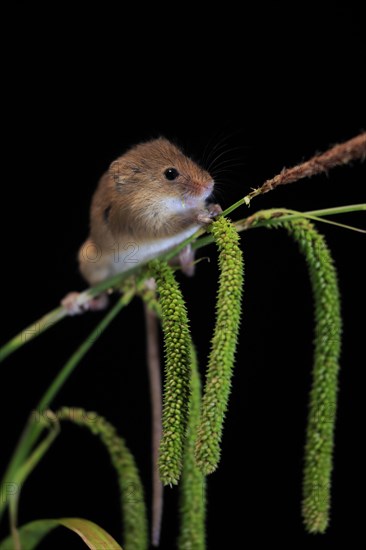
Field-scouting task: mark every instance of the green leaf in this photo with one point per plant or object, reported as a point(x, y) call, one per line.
point(26, 469)
point(32, 533)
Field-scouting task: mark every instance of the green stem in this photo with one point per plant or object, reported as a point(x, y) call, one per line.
point(35, 329)
point(236, 205)
point(56, 315)
point(53, 317)
point(33, 430)
point(337, 210)
point(24, 471)
point(287, 215)
point(82, 350)
point(273, 216)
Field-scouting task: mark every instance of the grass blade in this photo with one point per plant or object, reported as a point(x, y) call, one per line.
point(32, 534)
point(131, 489)
point(32, 430)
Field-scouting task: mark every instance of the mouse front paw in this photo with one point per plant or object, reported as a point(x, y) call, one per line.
point(206, 216)
point(214, 209)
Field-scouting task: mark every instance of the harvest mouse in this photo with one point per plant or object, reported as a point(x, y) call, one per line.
point(151, 199)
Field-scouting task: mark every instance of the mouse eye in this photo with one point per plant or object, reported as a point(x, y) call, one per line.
point(171, 174)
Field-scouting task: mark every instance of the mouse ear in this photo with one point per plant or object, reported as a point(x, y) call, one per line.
point(115, 171)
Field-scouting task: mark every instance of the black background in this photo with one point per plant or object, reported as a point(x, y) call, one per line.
point(272, 86)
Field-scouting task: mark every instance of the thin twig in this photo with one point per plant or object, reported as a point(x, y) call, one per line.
point(336, 156)
point(265, 218)
point(153, 364)
point(344, 153)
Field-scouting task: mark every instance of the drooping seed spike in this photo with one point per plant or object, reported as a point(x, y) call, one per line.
point(223, 345)
point(177, 343)
point(134, 516)
point(318, 463)
point(193, 483)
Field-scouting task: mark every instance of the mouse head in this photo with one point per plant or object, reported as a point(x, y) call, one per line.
point(161, 168)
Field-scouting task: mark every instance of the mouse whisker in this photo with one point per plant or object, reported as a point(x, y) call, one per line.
point(221, 138)
point(227, 155)
point(229, 162)
point(222, 141)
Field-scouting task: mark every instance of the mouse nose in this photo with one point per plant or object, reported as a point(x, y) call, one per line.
point(210, 186)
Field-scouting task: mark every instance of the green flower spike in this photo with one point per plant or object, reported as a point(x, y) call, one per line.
point(132, 494)
point(193, 483)
point(223, 345)
point(323, 395)
point(177, 372)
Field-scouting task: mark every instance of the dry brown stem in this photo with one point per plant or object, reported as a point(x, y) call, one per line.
point(354, 149)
